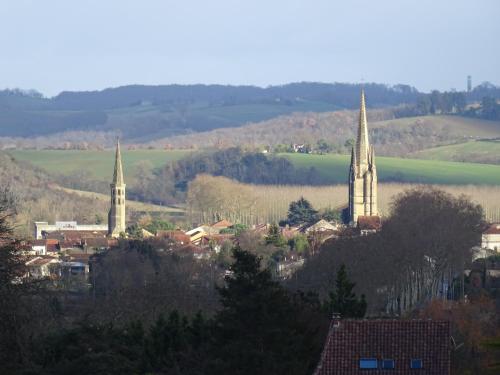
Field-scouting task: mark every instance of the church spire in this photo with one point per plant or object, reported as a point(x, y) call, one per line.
point(362, 144)
point(363, 173)
point(118, 173)
point(117, 215)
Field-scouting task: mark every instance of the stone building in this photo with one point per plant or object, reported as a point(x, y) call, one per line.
point(116, 216)
point(362, 173)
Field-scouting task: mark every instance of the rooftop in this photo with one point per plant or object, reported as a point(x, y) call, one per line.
point(349, 341)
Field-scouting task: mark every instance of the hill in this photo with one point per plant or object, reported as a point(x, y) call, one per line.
point(38, 198)
point(144, 113)
point(391, 136)
point(96, 165)
point(483, 151)
point(335, 169)
point(332, 167)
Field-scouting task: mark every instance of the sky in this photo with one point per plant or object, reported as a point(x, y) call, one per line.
point(61, 45)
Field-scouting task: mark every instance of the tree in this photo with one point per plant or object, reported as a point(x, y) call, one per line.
point(274, 236)
point(15, 313)
point(422, 249)
point(299, 243)
point(343, 300)
point(329, 214)
point(259, 328)
point(301, 212)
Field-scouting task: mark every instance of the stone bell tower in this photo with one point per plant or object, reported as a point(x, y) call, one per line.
point(362, 173)
point(116, 216)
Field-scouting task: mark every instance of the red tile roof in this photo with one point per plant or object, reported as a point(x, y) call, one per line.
point(176, 235)
point(369, 222)
point(222, 224)
point(75, 234)
point(493, 229)
point(399, 340)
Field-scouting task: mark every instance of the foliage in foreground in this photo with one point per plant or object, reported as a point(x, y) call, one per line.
point(260, 327)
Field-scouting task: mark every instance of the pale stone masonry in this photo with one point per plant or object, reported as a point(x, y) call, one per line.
point(363, 173)
point(116, 216)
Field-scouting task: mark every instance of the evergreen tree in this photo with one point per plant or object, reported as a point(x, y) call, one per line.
point(258, 329)
point(343, 301)
point(274, 237)
point(301, 212)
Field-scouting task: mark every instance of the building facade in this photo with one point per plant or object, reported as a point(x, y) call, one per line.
point(43, 228)
point(362, 173)
point(116, 216)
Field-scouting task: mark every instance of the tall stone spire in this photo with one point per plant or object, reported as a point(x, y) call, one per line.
point(363, 173)
point(118, 173)
point(116, 216)
point(362, 144)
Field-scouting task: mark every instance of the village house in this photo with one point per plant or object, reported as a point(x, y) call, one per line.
point(41, 267)
point(321, 226)
point(177, 236)
point(491, 238)
point(369, 225)
point(42, 228)
point(399, 347)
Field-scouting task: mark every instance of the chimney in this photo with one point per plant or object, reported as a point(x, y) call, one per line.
point(336, 320)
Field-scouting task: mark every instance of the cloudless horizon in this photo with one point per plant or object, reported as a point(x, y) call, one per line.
point(61, 45)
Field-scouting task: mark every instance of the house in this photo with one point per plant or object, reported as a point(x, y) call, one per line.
point(39, 247)
point(216, 241)
point(41, 267)
point(491, 238)
point(369, 224)
point(174, 235)
point(43, 228)
point(399, 347)
point(289, 232)
point(321, 226)
point(196, 234)
point(300, 148)
point(222, 224)
point(95, 243)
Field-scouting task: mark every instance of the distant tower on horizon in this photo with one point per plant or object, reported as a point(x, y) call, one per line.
point(116, 216)
point(362, 173)
point(469, 83)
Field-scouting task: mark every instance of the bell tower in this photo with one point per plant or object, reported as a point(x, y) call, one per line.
point(116, 216)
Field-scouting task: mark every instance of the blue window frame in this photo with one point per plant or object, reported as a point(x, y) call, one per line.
point(368, 363)
point(388, 363)
point(416, 363)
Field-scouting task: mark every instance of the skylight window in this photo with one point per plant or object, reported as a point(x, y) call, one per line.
point(416, 364)
point(368, 363)
point(388, 363)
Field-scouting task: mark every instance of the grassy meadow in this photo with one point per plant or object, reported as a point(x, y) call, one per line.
point(332, 166)
point(335, 168)
point(484, 151)
point(98, 163)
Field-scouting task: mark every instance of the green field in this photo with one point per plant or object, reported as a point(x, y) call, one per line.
point(98, 163)
point(473, 151)
point(336, 168)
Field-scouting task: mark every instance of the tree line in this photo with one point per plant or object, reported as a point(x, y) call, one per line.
point(170, 184)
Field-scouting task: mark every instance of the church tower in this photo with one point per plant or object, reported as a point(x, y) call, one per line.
point(116, 216)
point(363, 173)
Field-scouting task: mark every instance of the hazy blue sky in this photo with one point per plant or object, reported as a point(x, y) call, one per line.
point(55, 45)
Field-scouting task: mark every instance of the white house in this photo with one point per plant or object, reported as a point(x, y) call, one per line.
point(491, 238)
